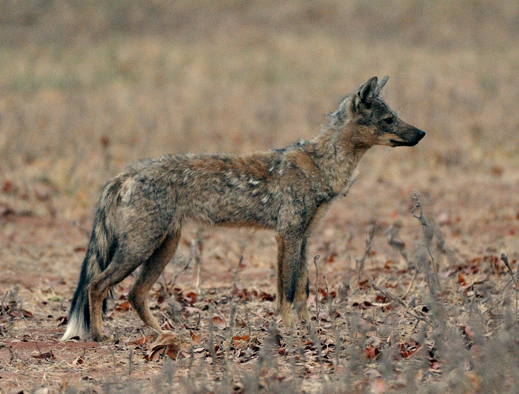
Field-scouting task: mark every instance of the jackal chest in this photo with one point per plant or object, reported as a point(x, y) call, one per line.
point(349, 183)
point(316, 220)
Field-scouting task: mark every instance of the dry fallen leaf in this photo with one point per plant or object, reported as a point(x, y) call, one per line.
point(125, 306)
point(240, 342)
point(218, 322)
point(240, 323)
point(372, 352)
point(192, 309)
point(45, 356)
point(267, 296)
point(168, 343)
point(195, 338)
point(141, 341)
point(408, 349)
point(190, 298)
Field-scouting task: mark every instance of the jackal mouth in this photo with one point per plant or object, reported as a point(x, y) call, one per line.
point(418, 136)
point(404, 143)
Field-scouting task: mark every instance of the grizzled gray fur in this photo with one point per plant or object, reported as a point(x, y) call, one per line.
point(142, 210)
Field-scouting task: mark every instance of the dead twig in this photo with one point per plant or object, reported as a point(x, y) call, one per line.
point(227, 349)
point(328, 298)
point(198, 321)
point(234, 282)
point(255, 314)
point(212, 351)
point(411, 284)
point(130, 366)
point(169, 321)
point(4, 311)
point(393, 297)
point(367, 251)
point(428, 232)
point(394, 240)
point(220, 312)
point(500, 292)
point(248, 322)
point(192, 251)
point(333, 320)
point(504, 259)
point(32, 337)
point(10, 351)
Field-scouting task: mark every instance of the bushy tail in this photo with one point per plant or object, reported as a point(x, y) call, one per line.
point(101, 248)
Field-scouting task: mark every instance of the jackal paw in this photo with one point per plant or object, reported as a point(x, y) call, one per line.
point(286, 315)
point(304, 314)
point(101, 338)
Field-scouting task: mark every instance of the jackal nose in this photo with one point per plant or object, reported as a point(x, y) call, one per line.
point(421, 134)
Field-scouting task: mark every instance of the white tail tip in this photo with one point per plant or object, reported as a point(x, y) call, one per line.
point(75, 328)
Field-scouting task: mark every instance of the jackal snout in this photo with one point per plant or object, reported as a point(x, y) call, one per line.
point(405, 135)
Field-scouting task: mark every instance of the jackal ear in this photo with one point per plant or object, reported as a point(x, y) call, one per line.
point(365, 95)
point(380, 85)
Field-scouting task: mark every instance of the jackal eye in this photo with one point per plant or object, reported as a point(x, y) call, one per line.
point(388, 120)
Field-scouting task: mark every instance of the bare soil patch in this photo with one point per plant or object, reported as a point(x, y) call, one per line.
point(227, 335)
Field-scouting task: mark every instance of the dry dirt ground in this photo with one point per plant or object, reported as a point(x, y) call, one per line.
point(87, 88)
point(377, 328)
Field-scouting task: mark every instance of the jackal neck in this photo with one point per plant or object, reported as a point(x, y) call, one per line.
point(337, 156)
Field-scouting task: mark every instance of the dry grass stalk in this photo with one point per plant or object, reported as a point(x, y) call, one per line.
point(428, 233)
point(192, 253)
point(10, 351)
point(393, 297)
point(367, 251)
point(504, 259)
point(393, 238)
point(235, 278)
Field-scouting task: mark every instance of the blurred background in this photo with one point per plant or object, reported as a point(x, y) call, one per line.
point(87, 87)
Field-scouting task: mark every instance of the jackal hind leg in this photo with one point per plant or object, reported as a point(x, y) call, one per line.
point(288, 273)
point(150, 272)
point(119, 268)
point(302, 286)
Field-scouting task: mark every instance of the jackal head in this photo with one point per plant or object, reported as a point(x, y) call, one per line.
point(374, 123)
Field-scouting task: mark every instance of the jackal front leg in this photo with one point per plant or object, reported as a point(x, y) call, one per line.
point(289, 267)
point(281, 257)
